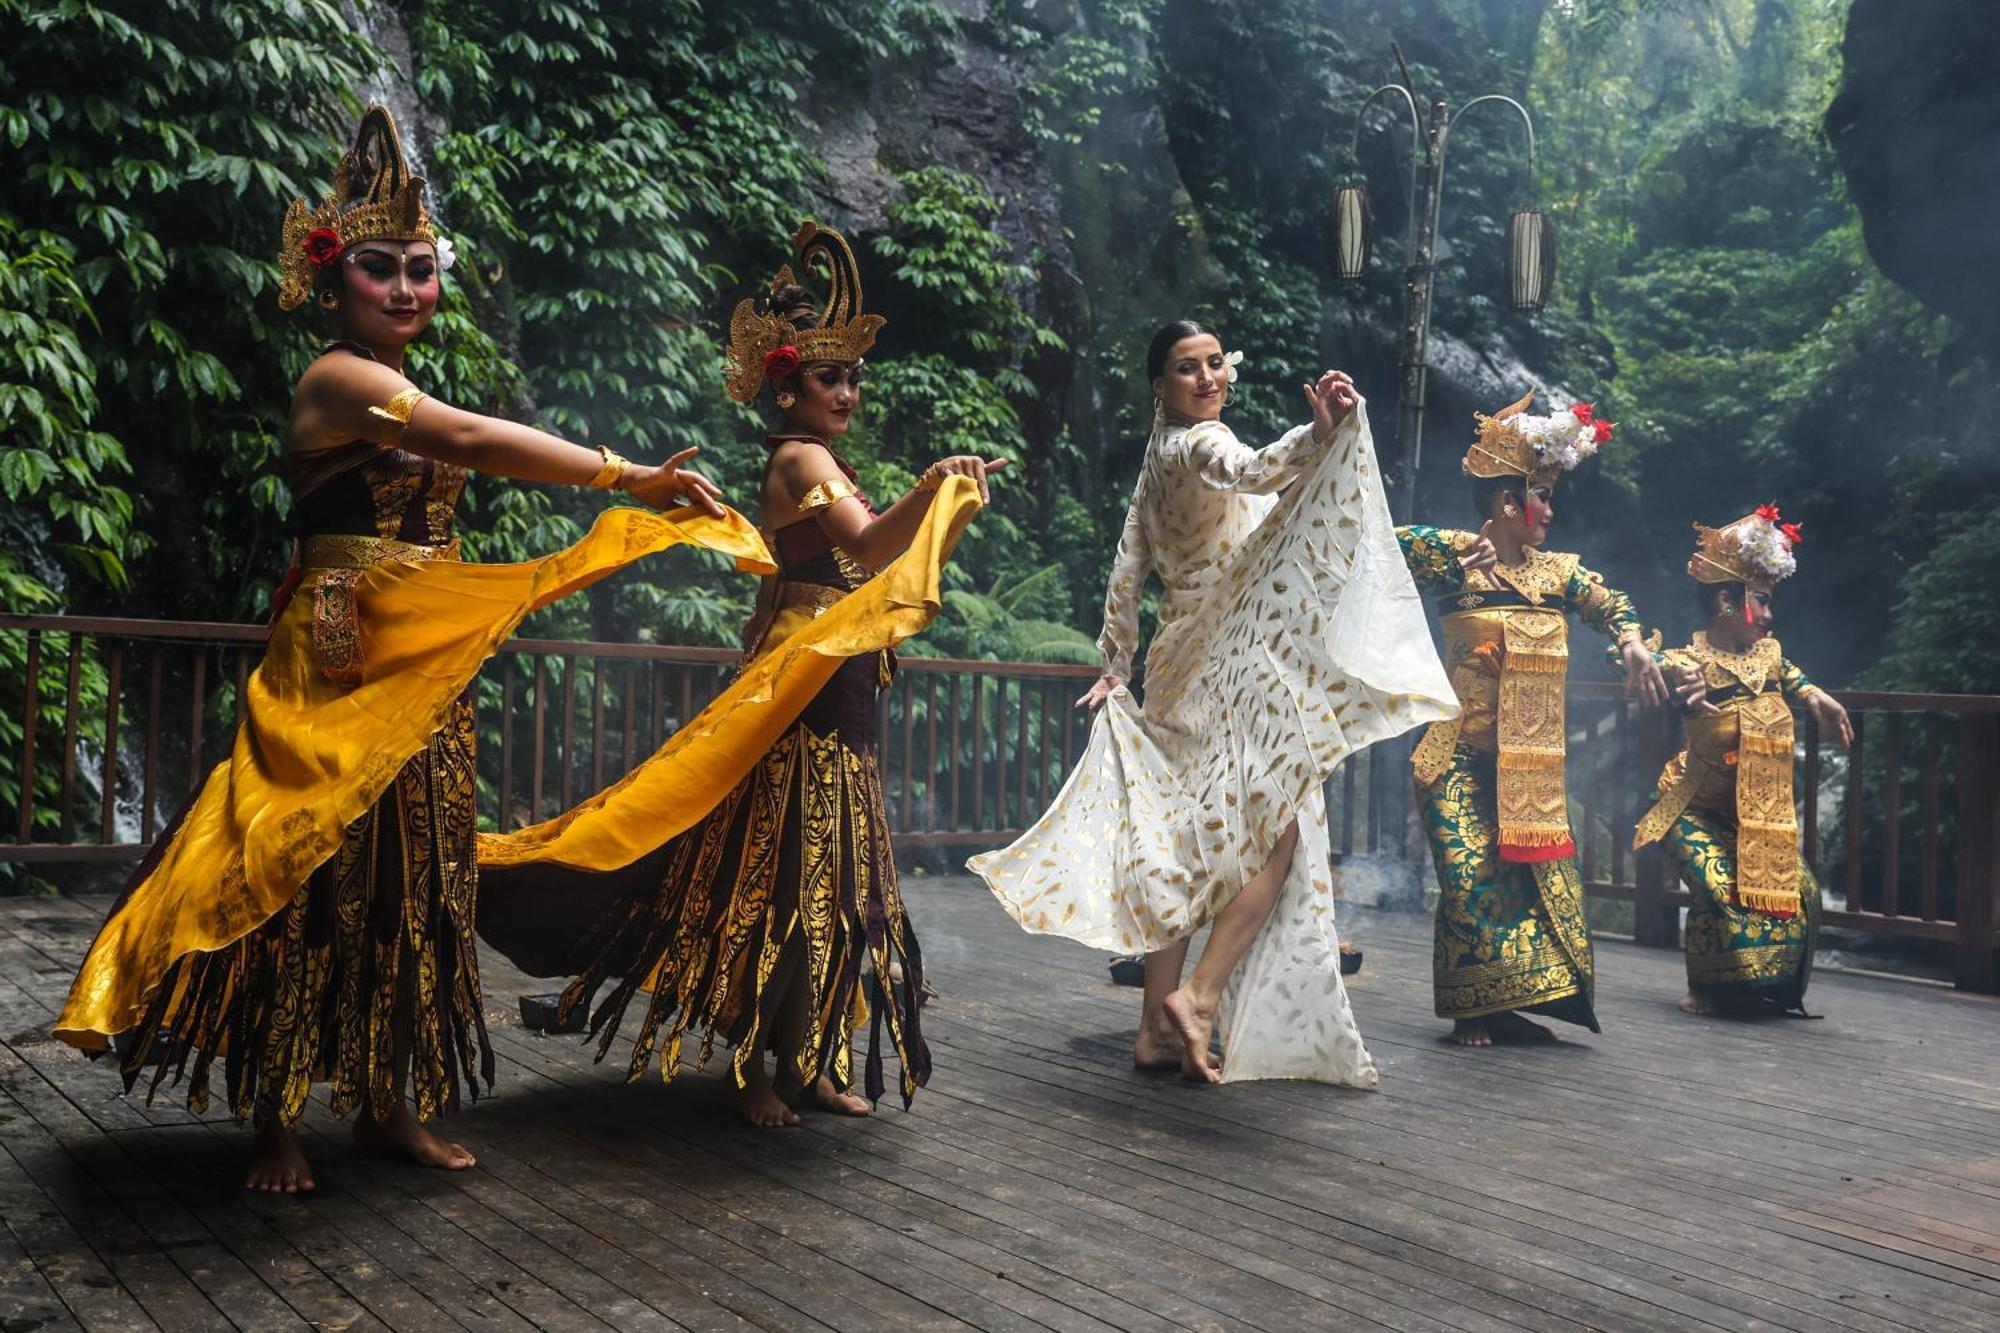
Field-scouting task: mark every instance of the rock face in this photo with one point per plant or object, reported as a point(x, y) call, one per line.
point(1116, 221)
point(1916, 127)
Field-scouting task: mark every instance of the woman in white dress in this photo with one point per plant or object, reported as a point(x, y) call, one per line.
point(1290, 635)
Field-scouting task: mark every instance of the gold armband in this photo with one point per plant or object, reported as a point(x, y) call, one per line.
point(610, 477)
point(399, 412)
point(826, 495)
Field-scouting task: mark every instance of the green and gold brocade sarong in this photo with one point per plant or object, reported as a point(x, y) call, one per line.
point(1732, 951)
point(1510, 934)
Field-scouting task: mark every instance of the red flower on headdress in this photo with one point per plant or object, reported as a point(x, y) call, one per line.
point(1768, 511)
point(1584, 412)
point(1603, 430)
point(780, 362)
point(1793, 533)
point(322, 246)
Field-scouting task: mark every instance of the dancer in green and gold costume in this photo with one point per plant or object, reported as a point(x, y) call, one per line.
point(1725, 813)
point(1511, 934)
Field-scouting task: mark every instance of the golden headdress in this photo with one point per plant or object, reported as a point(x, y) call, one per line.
point(375, 198)
point(758, 339)
point(1755, 551)
point(1513, 444)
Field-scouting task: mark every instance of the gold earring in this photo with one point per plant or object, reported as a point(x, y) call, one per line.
point(1510, 509)
point(329, 299)
point(786, 400)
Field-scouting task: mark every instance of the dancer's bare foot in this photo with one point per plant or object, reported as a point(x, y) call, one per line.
point(1471, 1032)
point(1697, 1004)
point(403, 1135)
point(829, 1098)
point(277, 1163)
point(760, 1103)
point(1193, 1021)
point(1157, 1046)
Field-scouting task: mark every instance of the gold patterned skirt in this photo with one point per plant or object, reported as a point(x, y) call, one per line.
point(373, 957)
point(1509, 934)
point(1736, 953)
point(785, 891)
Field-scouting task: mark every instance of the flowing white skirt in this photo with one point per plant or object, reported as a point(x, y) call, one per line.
point(1308, 644)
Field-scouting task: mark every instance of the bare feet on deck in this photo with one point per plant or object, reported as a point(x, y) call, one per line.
point(403, 1135)
point(1193, 1022)
point(760, 1103)
point(1471, 1032)
point(1698, 1005)
point(1158, 1045)
point(829, 1098)
point(277, 1163)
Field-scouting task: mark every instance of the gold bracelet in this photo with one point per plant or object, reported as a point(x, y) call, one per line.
point(931, 480)
point(610, 477)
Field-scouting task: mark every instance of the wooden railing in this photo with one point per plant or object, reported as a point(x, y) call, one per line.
point(127, 715)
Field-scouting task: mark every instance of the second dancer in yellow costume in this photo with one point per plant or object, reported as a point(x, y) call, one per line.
point(755, 924)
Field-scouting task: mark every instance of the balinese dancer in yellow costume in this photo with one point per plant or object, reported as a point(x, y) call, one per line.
point(1289, 637)
point(309, 916)
point(1725, 813)
point(754, 921)
point(1511, 935)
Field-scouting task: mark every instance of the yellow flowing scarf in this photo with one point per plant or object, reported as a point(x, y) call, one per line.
point(317, 750)
point(702, 762)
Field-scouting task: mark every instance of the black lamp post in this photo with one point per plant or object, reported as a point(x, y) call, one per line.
point(1530, 248)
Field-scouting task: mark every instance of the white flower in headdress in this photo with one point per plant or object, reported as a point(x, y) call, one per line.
point(447, 254)
point(1229, 364)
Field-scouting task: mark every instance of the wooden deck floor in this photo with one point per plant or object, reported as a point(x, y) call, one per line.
point(1670, 1174)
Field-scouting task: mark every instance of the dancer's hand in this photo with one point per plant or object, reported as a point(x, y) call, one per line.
point(1691, 690)
point(1330, 400)
point(1832, 718)
point(961, 465)
point(1094, 697)
point(1643, 680)
point(670, 485)
point(1479, 553)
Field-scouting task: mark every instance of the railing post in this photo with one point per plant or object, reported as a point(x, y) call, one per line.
point(1656, 921)
point(1978, 850)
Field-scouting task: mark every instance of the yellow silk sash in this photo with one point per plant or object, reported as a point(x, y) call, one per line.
point(702, 762)
point(314, 754)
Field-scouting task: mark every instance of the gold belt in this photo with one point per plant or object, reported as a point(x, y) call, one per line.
point(333, 565)
point(819, 596)
point(343, 551)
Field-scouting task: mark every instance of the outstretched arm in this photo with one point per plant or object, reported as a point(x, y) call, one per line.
point(1119, 640)
point(1826, 710)
point(346, 398)
point(1610, 612)
point(1224, 463)
point(810, 483)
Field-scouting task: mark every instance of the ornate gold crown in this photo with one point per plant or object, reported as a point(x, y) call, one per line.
point(1755, 550)
point(1513, 444)
point(843, 333)
point(375, 198)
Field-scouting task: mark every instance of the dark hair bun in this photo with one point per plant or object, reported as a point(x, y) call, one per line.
point(1165, 340)
point(794, 303)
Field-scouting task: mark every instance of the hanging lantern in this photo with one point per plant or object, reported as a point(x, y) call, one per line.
point(1351, 218)
point(1531, 258)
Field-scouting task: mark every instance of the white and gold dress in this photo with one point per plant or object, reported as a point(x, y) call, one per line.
point(1289, 637)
